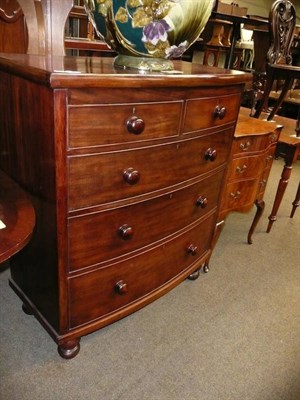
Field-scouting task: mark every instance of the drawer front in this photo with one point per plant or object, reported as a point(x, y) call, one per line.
point(131, 227)
point(112, 124)
point(111, 176)
point(240, 194)
point(245, 167)
point(208, 112)
point(94, 295)
point(247, 144)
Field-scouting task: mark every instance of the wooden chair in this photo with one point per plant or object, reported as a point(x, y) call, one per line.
point(282, 21)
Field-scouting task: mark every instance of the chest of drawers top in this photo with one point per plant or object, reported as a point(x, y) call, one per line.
point(97, 72)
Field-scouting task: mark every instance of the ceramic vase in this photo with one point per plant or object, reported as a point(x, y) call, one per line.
point(147, 34)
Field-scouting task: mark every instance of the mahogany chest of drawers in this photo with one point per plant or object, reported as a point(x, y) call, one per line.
point(125, 171)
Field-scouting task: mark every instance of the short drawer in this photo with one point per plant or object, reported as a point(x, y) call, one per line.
point(96, 294)
point(135, 226)
point(248, 144)
point(245, 167)
point(110, 176)
point(263, 181)
point(240, 195)
point(213, 111)
point(93, 125)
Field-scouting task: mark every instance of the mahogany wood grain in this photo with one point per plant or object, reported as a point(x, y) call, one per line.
point(13, 29)
point(252, 154)
point(92, 295)
point(77, 273)
point(151, 221)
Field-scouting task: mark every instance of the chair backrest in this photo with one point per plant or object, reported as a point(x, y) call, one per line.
point(13, 29)
point(282, 20)
point(246, 34)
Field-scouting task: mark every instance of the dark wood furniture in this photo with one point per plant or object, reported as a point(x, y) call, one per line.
point(236, 24)
point(249, 167)
point(13, 30)
point(288, 148)
point(282, 21)
point(17, 218)
point(125, 172)
point(296, 202)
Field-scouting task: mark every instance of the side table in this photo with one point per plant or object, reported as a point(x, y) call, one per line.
point(289, 149)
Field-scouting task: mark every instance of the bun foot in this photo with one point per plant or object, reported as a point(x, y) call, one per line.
point(69, 349)
point(194, 275)
point(205, 268)
point(27, 310)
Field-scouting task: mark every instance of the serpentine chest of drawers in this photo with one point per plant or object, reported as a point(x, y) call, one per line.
point(125, 171)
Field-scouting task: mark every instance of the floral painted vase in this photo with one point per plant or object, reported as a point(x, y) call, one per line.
point(147, 34)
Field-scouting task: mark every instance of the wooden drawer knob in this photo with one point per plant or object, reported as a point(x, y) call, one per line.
point(192, 249)
point(125, 232)
point(131, 176)
point(135, 125)
point(210, 154)
point(220, 112)
point(201, 202)
point(121, 287)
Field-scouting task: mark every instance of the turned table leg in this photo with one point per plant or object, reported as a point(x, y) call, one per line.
point(295, 202)
point(285, 176)
point(260, 206)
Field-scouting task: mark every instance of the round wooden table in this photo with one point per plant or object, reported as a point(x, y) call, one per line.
point(17, 218)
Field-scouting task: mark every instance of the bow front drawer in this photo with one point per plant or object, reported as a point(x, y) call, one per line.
point(111, 176)
point(134, 226)
point(96, 294)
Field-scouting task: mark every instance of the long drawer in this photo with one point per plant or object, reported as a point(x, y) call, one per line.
point(131, 227)
point(112, 176)
point(96, 294)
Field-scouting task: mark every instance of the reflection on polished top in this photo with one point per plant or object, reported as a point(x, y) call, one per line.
point(97, 71)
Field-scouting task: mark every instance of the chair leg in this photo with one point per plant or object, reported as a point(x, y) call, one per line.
point(286, 87)
point(296, 202)
point(264, 101)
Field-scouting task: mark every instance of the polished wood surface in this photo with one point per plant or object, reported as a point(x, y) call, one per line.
point(289, 149)
point(127, 200)
point(13, 29)
point(17, 218)
point(252, 155)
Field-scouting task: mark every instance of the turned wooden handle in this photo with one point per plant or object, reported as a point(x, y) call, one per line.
point(201, 202)
point(135, 125)
point(210, 154)
point(220, 112)
point(192, 249)
point(125, 232)
point(131, 176)
point(121, 287)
